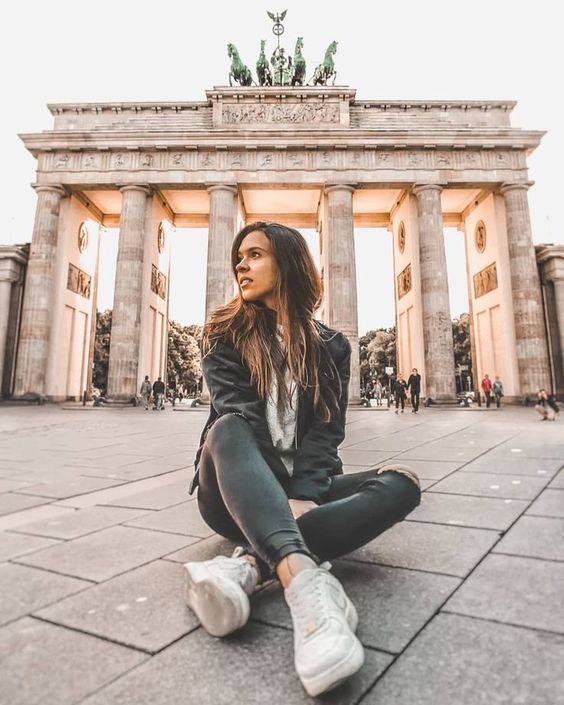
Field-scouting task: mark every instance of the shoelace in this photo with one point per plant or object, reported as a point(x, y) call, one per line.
point(309, 607)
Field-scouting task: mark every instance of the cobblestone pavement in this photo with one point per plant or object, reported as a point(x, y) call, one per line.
point(463, 603)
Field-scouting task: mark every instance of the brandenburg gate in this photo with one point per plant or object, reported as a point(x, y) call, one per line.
point(311, 157)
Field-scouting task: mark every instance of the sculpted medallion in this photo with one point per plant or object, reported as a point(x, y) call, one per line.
point(401, 237)
point(82, 237)
point(480, 236)
point(161, 237)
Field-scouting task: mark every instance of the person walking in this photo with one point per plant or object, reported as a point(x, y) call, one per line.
point(497, 389)
point(547, 406)
point(414, 386)
point(268, 473)
point(487, 389)
point(145, 392)
point(158, 394)
point(378, 392)
point(400, 392)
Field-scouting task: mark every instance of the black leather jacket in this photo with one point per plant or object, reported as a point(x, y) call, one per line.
point(316, 458)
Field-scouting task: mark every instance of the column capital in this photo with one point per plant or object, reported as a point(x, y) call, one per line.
point(418, 188)
point(231, 188)
point(53, 188)
point(143, 188)
point(330, 188)
point(514, 186)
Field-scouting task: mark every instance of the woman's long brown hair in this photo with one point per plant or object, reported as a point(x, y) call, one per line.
point(251, 328)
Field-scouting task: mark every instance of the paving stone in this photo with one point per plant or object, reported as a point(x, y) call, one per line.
point(203, 550)
point(438, 452)
point(522, 591)
point(156, 498)
point(13, 545)
point(461, 661)
point(462, 510)
point(514, 466)
point(23, 589)
point(476, 436)
point(184, 519)
point(430, 547)
point(550, 503)
point(11, 502)
point(389, 617)
point(107, 553)
point(396, 442)
point(125, 490)
point(432, 469)
point(12, 485)
point(536, 537)
point(491, 485)
point(42, 664)
point(45, 511)
point(364, 458)
point(530, 450)
point(558, 482)
point(253, 667)
point(80, 522)
point(143, 608)
point(69, 488)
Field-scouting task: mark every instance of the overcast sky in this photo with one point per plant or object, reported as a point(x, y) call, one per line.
point(123, 50)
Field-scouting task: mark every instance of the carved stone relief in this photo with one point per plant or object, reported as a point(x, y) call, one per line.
point(401, 237)
point(404, 281)
point(480, 236)
point(485, 281)
point(82, 239)
point(276, 114)
point(78, 281)
point(161, 237)
point(158, 283)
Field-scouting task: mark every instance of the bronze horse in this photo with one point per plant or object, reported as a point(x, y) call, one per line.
point(324, 71)
point(238, 71)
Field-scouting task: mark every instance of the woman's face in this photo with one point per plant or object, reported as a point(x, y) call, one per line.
point(257, 271)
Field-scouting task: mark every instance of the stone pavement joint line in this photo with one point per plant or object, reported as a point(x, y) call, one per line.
point(462, 597)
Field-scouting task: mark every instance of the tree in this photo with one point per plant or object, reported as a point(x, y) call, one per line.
point(377, 351)
point(461, 340)
point(102, 349)
point(184, 356)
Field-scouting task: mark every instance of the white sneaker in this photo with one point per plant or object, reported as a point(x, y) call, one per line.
point(326, 651)
point(217, 592)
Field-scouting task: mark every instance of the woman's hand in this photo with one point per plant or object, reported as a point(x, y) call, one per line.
point(301, 506)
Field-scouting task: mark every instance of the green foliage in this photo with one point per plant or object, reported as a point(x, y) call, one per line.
point(102, 349)
point(377, 351)
point(461, 341)
point(184, 357)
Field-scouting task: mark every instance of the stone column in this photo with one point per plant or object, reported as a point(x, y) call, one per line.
point(222, 225)
point(5, 296)
point(35, 331)
point(530, 333)
point(559, 301)
point(126, 315)
point(435, 305)
point(340, 274)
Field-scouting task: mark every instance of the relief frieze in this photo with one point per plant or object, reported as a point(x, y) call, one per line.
point(404, 281)
point(485, 280)
point(158, 282)
point(276, 114)
point(78, 282)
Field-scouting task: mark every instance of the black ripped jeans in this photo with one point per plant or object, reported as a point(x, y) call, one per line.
point(240, 498)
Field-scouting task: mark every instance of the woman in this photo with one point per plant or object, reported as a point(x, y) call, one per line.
point(268, 472)
point(400, 393)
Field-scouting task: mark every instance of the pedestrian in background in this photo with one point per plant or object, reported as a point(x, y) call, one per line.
point(487, 389)
point(378, 392)
point(400, 392)
point(146, 392)
point(414, 386)
point(498, 391)
point(547, 406)
point(158, 394)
